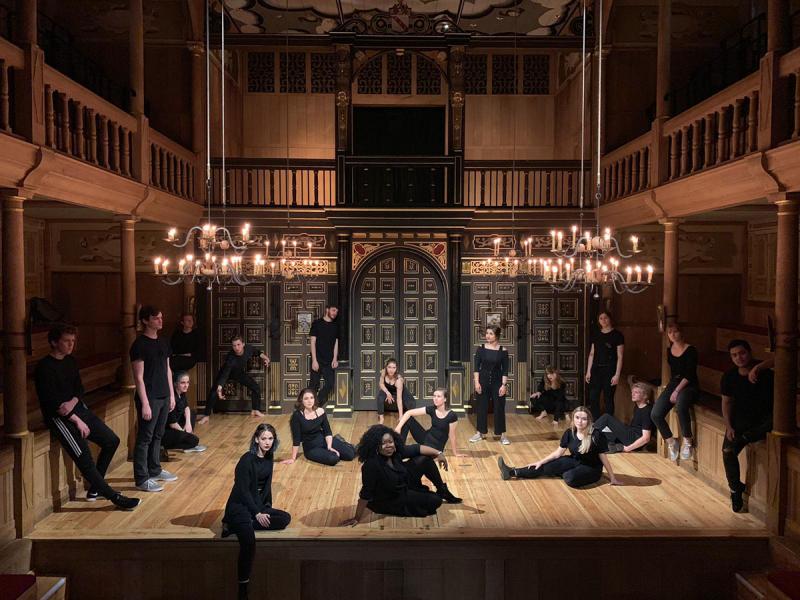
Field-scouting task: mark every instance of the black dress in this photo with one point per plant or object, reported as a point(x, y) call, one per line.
point(491, 366)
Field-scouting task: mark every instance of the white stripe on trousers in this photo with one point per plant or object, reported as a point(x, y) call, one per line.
point(68, 436)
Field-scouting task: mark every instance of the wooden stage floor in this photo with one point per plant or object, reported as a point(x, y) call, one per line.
point(658, 497)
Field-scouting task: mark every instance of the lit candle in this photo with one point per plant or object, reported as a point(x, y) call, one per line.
point(294, 247)
point(246, 232)
point(560, 238)
point(588, 238)
point(574, 233)
point(272, 268)
point(181, 266)
point(607, 239)
point(638, 274)
point(531, 267)
point(635, 242)
point(560, 268)
point(283, 247)
point(530, 246)
point(553, 238)
point(555, 273)
point(266, 248)
point(629, 272)
point(164, 266)
point(569, 269)
point(157, 264)
point(649, 274)
point(171, 234)
point(496, 246)
point(309, 249)
point(224, 265)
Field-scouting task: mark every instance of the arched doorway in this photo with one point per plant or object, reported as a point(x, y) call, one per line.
point(399, 311)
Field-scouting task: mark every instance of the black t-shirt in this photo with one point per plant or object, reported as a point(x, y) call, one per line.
point(57, 381)
point(752, 402)
point(439, 432)
point(641, 418)
point(178, 414)
point(326, 332)
point(591, 458)
point(154, 353)
point(683, 366)
point(605, 348)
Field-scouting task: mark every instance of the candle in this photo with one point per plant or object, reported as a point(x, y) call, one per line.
point(588, 238)
point(629, 272)
point(638, 274)
point(560, 238)
point(164, 266)
point(555, 273)
point(224, 265)
point(171, 234)
point(531, 267)
point(530, 246)
point(649, 274)
point(574, 232)
point(272, 268)
point(266, 248)
point(246, 232)
point(560, 267)
point(157, 264)
point(283, 247)
point(635, 242)
point(496, 246)
point(607, 239)
point(309, 249)
point(294, 247)
point(181, 266)
point(553, 238)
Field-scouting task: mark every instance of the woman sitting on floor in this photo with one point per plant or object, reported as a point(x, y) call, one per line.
point(249, 508)
point(309, 425)
point(550, 397)
point(391, 474)
point(627, 438)
point(584, 465)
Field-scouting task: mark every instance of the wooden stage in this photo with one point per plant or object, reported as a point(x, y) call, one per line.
point(661, 509)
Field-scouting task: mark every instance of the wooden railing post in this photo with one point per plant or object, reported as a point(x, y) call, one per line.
point(29, 81)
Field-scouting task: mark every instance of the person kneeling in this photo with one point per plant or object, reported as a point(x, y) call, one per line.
point(627, 438)
point(585, 464)
point(179, 434)
point(550, 396)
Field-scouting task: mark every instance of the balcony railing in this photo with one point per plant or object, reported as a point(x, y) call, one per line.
point(401, 181)
point(525, 184)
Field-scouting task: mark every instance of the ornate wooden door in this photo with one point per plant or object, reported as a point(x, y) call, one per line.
point(399, 309)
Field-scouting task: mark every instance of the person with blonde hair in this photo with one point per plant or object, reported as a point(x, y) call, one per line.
point(637, 434)
point(584, 465)
point(550, 396)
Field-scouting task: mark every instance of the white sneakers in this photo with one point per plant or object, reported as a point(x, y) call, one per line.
point(685, 453)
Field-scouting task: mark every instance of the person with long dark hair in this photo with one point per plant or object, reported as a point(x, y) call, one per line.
point(550, 397)
point(490, 381)
point(249, 508)
point(310, 427)
point(392, 390)
point(179, 433)
point(605, 364)
point(391, 475)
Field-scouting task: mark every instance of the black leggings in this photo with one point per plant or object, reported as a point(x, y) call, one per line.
point(417, 501)
point(491, 391)
point(574, 473)
point(663, 405)
point(321, 454)
point(620, 433)
point(327, 373)
point(246, 533)
point(600, 382)
point(178, 440)
point(408, 401)
point(246, 381)
point(77, 448)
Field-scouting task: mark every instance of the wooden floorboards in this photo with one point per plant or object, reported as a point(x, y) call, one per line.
point(658, 498)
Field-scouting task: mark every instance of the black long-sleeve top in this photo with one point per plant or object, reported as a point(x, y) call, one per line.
point(178, 414)
point(683, 366)
point(491, 365)
point(57, 381)
point(384, 480)
point(235, 365)
point(558, 396)
point(309, 432)
point(252, 488)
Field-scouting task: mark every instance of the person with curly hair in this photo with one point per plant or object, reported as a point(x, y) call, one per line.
point(391, 475)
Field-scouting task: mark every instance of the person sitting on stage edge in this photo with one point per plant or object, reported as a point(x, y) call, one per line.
point(309, 426)
point(235, 368)
point(393, 391)
point(605, 364)
point(490, 381)
point(627, 438)
point(324, 338)
point(443, 427)
point(584, 466)
point(747, 397)
point(681, 392)
point(391, 475)
point(60, 392)
point(180, 421)
point(187, 345)
point(550, 396)
point(249, 508)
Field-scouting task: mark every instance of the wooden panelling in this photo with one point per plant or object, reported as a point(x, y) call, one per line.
point(310, 121)
point(793, 500)
point(7, 531)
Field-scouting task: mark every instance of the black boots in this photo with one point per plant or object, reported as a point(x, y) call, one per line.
point(446, 495)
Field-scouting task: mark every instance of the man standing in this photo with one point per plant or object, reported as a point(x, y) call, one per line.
point(747, 410)
point(187, 345)
point(324, 352)
point(60, 392)
point(154, 399)
point(235, 368)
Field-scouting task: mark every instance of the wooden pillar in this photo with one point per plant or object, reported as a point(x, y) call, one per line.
point(198, 118)
point(344, 70)
point(29, 81)
point(140, 150)
point(670, 294)
point(773, 117)
point(454, 241)
point(344, 273)
point(455, 67)
point(127, 273)
point(15, 398)
point(779, 32)
point(663, 58)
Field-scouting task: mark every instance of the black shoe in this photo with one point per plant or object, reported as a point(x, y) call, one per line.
point(505, 470)
point(737, 502)
point(225, 531)
point(446, 495)
point(615, 448)
point(123, 502)
point(243, 591)
point(91, 496)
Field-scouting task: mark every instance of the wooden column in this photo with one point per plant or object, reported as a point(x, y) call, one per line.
point(454, 241)
point(663, 57)
point(127, 273)
point(344, 274)
point(455, 68)
point(773, 117)
point(784, 423)
point(198, 118)
point(344, 70)
point(15, 398)
point(29, 81)
point(779, 32)
point(140, 150)
point(670, 294)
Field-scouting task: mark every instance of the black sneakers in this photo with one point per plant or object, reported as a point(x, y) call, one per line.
point(737, 502)
point(123, 502)
point(505, 470)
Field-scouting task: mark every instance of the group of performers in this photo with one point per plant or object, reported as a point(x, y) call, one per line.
point(391, 469)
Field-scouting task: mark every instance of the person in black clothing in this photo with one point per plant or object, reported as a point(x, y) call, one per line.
point(179, 434)
point(747, 396)
point(249, 508)
point(309, 426)
point(393, 391)
point(187, 345)
point(391, 474)
point(60, 392)
point(550, 396)
point(605, 364)
point(681, 392)
point(235, 368)
point(443, 428)
point(584, 466)
point(490, 379)
point(154, 399)
point(324, 337)
point(627, 438)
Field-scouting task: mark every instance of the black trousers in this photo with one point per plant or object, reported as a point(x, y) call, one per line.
point(147, 451)
point(573, 473)
point(416, 500)
point(491, 391)
point(408, 401)
point(178, 440)
point(78, 448)
point(321, 454)
point(246, 381)
point(743, 435)
point(600, 383)
point(246, 533)
point(620, 433)
point(686, 397)
point(327, 373)
point(550, 405)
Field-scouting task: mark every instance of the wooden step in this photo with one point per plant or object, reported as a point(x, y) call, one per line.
point(51, 588)
point(755, 336)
